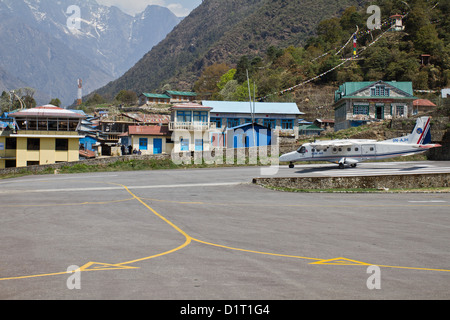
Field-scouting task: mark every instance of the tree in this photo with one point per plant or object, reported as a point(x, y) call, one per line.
point(5, 102)
point(427, 40)
point(207, 83)
point(56, 102)
point(126, 97)
point(330, 30)
point(95, 100)
point(224, 79)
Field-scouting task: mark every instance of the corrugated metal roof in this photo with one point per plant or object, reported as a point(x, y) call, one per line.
point(423, 103)
point(47, 111)
point(149, 130)
point(349, 88)
point(156, 95)
point(181, 93)
point(290, 108)
point(192, 106)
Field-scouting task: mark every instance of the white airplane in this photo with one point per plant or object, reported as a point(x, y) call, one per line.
point(352, 152)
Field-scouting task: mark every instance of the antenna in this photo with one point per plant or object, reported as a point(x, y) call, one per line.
point(80, 92)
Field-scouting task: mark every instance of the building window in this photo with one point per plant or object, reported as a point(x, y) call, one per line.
point(233, 122)
point(201, 116)
point(270, 123)
point(184, 116)
point(62, 145)
point(287, 124)
point(32, 163)
point(217, 121)
point(380, 91)
point(400, 111)
point(10, 164)
point(143, 144)
point(361, 110)
point(11, 143)
point(33, 144)
point(184, 144)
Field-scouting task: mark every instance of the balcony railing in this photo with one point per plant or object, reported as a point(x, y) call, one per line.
point(192, 126)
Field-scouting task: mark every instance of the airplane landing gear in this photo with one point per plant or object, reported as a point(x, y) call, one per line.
point(341, 165)
point(291, 165)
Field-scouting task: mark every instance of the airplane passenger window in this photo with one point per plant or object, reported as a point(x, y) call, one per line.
point(356, 149)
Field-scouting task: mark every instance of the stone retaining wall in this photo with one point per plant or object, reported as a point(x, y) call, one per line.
point(414, 181)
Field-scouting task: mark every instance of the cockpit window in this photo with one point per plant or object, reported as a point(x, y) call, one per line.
point(301, 150)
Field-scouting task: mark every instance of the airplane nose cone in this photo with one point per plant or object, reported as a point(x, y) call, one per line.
point(286, 157)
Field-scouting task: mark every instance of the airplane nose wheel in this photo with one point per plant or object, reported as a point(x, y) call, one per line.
point(341, 166)
point(291, 165)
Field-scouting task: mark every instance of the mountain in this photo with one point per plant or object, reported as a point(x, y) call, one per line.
point(39, 48)
point(220, 31)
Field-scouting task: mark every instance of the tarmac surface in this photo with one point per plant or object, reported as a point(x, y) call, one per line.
point(205, 234)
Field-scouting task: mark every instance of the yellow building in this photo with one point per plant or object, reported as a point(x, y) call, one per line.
point(43, 135)
point(150, 140)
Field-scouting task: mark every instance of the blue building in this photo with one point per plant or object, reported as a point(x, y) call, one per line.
point(280, 116)
point(248, 135)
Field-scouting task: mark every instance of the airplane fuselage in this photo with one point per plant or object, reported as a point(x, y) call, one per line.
point(351, 152)
point(358, 152)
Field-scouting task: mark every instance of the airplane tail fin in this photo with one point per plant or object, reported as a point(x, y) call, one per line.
point(421, 134)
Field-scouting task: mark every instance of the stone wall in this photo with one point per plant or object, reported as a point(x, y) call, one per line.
point(363, 182)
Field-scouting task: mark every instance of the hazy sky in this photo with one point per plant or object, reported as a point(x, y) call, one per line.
point(180, 7)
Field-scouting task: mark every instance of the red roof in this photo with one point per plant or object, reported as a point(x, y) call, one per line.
point(149, 130)
point(423, 103)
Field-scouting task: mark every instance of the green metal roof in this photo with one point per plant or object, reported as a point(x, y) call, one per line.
point(349, 88)
point(181, 93)
point(310, 127)
point(156, 95)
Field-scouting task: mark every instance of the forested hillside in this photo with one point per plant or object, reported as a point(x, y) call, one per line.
point(283, 72)
point(220, 31)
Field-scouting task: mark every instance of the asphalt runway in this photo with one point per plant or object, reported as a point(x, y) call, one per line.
point(210, 234)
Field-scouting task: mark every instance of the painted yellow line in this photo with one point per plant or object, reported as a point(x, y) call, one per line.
point(412, 268)
point(34, 276)
point(185, 244)
point(253, 251)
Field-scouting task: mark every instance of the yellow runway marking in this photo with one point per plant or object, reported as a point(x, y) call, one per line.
point(253, 251)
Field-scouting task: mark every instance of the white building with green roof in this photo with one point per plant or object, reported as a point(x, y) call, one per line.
point(356, 103)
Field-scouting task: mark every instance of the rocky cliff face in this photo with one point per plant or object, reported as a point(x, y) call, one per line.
point(44, 47)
